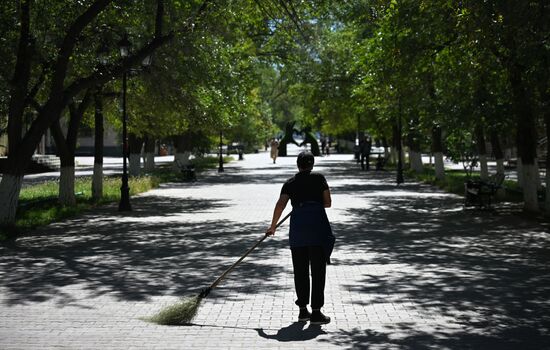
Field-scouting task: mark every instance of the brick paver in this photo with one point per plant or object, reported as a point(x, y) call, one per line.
point(411, 270)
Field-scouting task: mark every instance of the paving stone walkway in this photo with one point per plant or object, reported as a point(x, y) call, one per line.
point(411, 270)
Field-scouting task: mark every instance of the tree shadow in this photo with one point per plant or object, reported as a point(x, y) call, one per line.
point(410, 246)
point(122, 255)
point(409, 337)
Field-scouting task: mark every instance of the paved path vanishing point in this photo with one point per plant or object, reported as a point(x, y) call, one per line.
point(411, 270)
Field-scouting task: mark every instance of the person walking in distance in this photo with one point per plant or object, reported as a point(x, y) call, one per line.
point(364, 148)
point(310, 237)
point(274, 149)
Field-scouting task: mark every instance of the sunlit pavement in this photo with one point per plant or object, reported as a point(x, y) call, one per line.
point(411, 270)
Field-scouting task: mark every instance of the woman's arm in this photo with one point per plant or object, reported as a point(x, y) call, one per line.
point(277, 212)
point(327, 201)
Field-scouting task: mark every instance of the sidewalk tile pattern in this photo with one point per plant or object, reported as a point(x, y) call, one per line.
point(411, 270)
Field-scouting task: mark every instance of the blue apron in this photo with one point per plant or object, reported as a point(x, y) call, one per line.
point(309, 226)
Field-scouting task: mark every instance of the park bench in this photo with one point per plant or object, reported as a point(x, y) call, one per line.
point(480, 193)
point(236, 147)
point(187, 171)
point(380, 162)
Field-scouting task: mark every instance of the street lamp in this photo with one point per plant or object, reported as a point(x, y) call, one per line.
point(220, 166)
point(399, 179)
point(124, 205)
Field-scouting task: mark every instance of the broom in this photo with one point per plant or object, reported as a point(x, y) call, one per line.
point(183, 312)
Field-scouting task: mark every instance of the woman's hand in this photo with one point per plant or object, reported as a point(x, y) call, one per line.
point(270, 231)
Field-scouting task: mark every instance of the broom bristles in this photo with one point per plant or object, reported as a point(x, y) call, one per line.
point(178, 314)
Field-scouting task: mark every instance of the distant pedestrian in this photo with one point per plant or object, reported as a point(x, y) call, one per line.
point(329, 144)
point(310, 237)
point(274, 149)
point(323, 145)
point(364, 148)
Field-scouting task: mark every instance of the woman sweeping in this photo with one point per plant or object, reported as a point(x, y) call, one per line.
point(311, 239)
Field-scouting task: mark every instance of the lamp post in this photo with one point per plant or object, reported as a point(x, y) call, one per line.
point(220, 166)
point(399, 179)
point(124, 204)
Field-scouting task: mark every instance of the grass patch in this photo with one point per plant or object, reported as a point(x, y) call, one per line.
point(38, 204)
point(178, 314)
point(202, 163)
point(454, 182)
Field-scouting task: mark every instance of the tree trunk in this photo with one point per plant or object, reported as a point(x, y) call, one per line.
point(66, 177)
point(97, 178)
point(387, 154)
point(546, 96)
point(66, 148)
point(415, 153)
point(149, 153)
point(416, 161)
point(547, 192)
point(12, 179)
point(10, 187)
point(482, 152)
point(437, 149)
point(530, 184)
point(415, 157)
point(519, 172)
point(497, 151)
point(97, 182)
point(526, 137)
point(394, 145)
point(183, 149)
point(135, 143)
point(66, 186)
point(499, 155)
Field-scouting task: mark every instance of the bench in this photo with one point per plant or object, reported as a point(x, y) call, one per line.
point(380, 162)
point(480, 193)
point(187, 171)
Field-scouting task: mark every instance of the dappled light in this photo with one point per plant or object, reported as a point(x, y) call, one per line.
point(410, 269)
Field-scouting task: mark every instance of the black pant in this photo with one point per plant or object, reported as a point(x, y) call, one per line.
point(302, 258)
point(365, 161)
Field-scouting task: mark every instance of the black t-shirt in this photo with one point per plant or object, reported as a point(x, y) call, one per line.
point(305, 186)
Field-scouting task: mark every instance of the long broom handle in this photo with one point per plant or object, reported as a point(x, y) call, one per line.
point(216, 282)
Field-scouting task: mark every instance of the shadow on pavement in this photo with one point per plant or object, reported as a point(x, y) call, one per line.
point(118, 254)
point(294, 332)
point(486, 272)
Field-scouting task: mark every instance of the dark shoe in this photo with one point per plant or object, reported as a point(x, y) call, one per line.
point(317, 317)
point(304, 315)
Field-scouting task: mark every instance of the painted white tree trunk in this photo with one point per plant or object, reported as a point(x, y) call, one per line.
point(501, 192)
point(416, 161)
point(135, 164)
point(500, 166)
point(97, 182)
point(149, 161)
point(393, 156)
point(530, 187)
point(10, 187)
point(484, 170)
point(439, 166)
point(182, 158)
point(66, 186)
point(519, 171)
point(387, 154)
